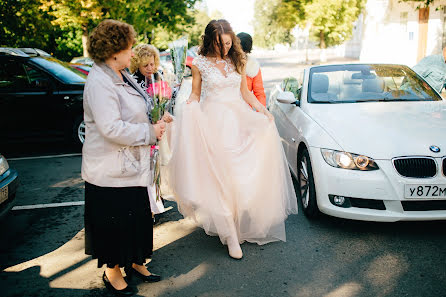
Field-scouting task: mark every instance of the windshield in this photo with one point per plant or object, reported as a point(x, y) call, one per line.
point(367, 83)
point(60, 69)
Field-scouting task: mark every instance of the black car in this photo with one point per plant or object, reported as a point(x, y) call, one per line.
point(40, 98)
point(8, 186)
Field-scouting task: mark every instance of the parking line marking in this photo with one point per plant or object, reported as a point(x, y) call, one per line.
point(48, 205)
point(44, 157)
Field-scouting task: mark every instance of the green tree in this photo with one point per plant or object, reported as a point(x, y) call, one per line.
point(426, 3)
point(68, 14)
point(145, 15)
point(24, 24)
point(269, 29)
point(149, 15)
point(332, 21)
point(194, 30)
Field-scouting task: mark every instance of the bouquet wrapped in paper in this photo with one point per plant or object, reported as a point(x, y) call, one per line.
point(161, 94)
point(178, 51)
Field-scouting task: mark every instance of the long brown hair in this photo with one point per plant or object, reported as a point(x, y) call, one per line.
point(212, 38)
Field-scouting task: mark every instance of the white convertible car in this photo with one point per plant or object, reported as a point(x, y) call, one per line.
point(364, 141)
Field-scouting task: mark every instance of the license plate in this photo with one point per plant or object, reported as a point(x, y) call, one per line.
point(425, 191)
point(3, 194)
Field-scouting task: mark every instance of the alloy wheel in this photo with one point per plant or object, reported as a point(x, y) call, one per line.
point(81, 132)
point(303, 183)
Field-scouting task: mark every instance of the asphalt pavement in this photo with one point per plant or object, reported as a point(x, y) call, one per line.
point(42, 244)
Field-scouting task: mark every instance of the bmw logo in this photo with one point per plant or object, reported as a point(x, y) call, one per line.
point(434, 149)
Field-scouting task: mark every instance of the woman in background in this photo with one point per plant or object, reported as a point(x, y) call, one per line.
point(144, 64)
point(253, 72)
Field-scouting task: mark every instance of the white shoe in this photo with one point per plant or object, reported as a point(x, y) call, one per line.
point(235, 251)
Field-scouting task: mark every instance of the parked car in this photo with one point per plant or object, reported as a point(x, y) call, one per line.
point(364, 141)
point(82, 60)
point(85, 69)
point(9, 183)
point(40, 98)
point(166, 62)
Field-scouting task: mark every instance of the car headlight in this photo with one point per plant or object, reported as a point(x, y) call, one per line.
point(3, 165)
point(346, 160)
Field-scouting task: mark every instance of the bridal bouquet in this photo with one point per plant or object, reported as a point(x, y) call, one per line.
point(161, 94)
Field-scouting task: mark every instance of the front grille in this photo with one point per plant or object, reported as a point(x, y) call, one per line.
point(419, 167)
point(424, 205)
point(367, 203)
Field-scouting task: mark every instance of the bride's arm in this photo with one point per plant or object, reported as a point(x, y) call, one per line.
point(251, 99)
point(196, 85)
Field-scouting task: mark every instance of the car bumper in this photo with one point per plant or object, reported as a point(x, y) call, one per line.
point(384, 185)
point(9, 183)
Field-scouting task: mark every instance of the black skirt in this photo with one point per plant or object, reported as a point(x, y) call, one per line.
point(118, 225)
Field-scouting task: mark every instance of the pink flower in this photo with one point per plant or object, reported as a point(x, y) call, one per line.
point(153, 148)
point(160, 88)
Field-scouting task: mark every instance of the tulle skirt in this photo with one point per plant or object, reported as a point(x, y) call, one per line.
point(228, 168)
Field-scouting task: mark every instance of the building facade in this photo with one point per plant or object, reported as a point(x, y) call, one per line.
point(398, 32)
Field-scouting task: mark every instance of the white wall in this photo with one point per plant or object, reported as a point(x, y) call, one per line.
point(389, 38)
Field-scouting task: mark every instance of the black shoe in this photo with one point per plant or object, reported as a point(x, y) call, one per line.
point(152, 278)
point(127, 291)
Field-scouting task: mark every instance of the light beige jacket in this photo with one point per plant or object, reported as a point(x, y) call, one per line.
point(116, 151)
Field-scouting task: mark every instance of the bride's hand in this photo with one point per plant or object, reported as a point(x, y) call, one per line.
point(189, 101)
point(267, 113)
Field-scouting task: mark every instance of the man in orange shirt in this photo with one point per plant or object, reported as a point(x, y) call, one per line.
point(253, 73)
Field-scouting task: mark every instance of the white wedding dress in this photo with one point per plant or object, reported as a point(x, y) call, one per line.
point(228, 167)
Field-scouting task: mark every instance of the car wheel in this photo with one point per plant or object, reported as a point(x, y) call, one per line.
point(306, 191)
point(79, 130)
point(187, 71)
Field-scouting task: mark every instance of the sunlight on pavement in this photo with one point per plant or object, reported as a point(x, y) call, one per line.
point(346, 290)
point(66, 256)
point(176, 283)
point(77, 181)
point(384, 272)
point(68, 266)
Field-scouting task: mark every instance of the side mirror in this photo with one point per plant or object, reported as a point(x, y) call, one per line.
point(286, 97)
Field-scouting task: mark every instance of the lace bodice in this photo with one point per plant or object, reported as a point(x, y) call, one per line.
point(215, 82)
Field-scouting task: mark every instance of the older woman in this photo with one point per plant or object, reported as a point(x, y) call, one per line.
point(144, 67)
point(116, 160)
point(145, 63)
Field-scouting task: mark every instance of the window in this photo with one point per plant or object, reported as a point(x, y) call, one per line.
point(59, 69)
point(21, 77)
point(13, 75)
point(36, 78)
point(367, 83)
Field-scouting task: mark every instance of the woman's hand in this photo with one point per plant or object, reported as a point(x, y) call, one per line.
point(267, 113)
point(262, 109)
point(189, 101)
point(193, 97)
point(159, 127)
point(167, 117)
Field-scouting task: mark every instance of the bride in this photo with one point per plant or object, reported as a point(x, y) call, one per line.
point(228, 170)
